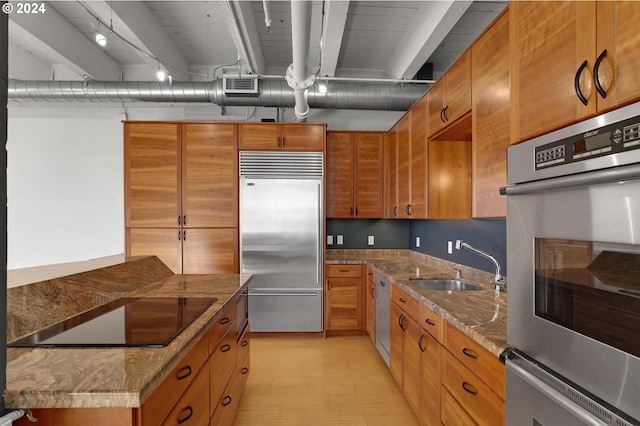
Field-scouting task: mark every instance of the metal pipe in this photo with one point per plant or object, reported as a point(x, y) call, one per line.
point(267, 15)
point(300, 38)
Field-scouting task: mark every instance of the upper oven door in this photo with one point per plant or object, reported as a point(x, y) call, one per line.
point(573, 299)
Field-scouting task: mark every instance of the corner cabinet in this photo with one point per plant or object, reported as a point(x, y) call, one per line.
point(281, 137)
point(571, 60)
point(354, 174)
point(181, 195)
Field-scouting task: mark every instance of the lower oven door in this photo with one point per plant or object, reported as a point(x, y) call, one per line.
point(538, 397)
point(568, 308)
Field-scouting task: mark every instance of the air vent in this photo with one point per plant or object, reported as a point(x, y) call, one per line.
point(285, 165)
point(240, 85)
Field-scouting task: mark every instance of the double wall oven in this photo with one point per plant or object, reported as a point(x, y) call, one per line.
point(573, 242)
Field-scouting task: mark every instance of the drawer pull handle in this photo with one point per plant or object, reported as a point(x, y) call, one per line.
point(343, 270)
point(225, 348)
point(244, 343)
point(469, 388)
point(403, 300)
point(401, 322)
point(420, 343)
point(226, 401)
point(469, 353)
point(576, 83)
point(431, 323)
point(596, 80)
point(225, 320)
point(189, 411)
point(244, 370)
point(184, 372)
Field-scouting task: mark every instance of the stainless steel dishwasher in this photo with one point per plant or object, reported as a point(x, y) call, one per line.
point(383, 316)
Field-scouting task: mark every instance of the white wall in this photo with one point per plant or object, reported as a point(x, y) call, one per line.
point(65, 177)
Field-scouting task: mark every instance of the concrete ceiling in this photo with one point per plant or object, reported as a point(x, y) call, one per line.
point(198, 40)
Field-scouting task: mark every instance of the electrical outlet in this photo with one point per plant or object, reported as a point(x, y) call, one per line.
point(329, 240)
point(417, 241)
point(370, 240)
point(340, 240)
point(450, 247)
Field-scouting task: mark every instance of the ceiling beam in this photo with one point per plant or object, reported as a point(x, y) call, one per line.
point(56, 38)
point(432, 23)
point(135, 22)
point(335, 18)
point(242, 25)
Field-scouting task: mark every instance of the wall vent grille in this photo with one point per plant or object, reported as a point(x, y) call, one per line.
point(282, 164)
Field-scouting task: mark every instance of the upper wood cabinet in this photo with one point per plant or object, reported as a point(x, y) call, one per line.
point(450, 97)
point(403, 143)
point(419, 158)
point(390, 191)
point(181, 175)
point(561, 52)
point(354, 174)
point(490, 119)
point(277, 136)
point(449, 179)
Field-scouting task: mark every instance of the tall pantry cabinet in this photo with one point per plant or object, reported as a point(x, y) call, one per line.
point(181, 194)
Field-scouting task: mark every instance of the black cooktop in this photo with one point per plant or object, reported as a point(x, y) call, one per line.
point(124, 322)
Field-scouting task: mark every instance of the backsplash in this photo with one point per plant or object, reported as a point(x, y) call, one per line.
point(388, 234)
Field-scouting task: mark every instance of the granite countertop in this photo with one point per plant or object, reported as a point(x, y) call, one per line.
point(101, 377)
point(478, 314)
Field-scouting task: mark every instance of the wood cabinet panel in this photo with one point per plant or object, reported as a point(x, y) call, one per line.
point(407, 303)
point(368, 154)
point(419, 159)
point(259, 137)
point(403, 142)
point(343, 304)
point(210, 251)
point(371, 310)
point(396, 335)
point(166, 243)
point(490, 119)
point(222, 366)
point(430, 387)
point(210, 170)
point(436, 102)
point(432, 323)
point(412, 364)
point(482, 404)
point(452, 413)
point(343, 271)
point(484, 364)
point(449, 179)
point(390, 175)
point(152, 174)
point(303, 137)
point(223, 323)
point(225, 409)
point(458, 88)
point(193, 408)
point(340, 175)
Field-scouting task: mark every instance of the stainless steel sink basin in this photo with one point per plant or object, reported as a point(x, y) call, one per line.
point(445, 284)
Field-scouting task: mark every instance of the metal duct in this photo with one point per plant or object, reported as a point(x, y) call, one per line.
point(272, 93)
point(300, 37)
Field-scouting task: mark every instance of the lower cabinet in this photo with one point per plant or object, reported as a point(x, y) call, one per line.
point(370, 303)
point(447, 378)
point(342, 307)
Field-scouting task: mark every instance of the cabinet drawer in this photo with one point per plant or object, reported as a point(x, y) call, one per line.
point(222, 365)
point(409, 304)
point(222, 324)
point(452, 412)
point(156, 408)
point(343, 271)
point(193, 407)
point(244, 344)
point(225, 409)
point(473, 394)
point(482, 362)
point(431, 322)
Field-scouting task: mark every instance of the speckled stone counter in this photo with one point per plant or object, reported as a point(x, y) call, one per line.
point(101, 377)
point(478, 314)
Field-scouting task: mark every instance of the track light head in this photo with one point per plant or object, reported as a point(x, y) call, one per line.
point(101, 40)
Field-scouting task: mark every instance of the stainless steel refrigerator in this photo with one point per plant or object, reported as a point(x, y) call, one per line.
point(281, 236)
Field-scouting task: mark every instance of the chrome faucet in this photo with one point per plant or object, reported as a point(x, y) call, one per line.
point(499, 280)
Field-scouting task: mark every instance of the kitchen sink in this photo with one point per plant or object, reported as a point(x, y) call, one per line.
point(445, 284)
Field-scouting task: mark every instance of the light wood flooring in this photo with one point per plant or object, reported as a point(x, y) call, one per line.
point(316, 381)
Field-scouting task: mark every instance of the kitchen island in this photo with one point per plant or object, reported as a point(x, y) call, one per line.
point(121, 380)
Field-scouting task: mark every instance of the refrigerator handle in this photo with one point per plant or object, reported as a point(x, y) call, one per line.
point(319, 243)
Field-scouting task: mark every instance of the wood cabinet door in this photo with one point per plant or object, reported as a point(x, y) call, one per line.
point(547, 54)
point(412, 363)
point(371, 310)
point(449, 179)
point(368, 152)
point(210, 251)
point(403, 141)
point(418, 117)
point(343, 304)
point(152, 174)
point(259, 137)
point(458, 89)
point(390, 175)
point(396, 335)
point(339, 175)
point(210, 175)
point(303, 137)
point(193, 408)
point(435, 105)
point(490, 120)
point(618, 70)
point(430, 390)
point(166, 243)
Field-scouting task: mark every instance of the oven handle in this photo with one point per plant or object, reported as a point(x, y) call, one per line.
point(530, 376)
point(616, 174)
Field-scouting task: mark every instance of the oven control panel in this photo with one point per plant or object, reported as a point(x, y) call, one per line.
point(599, 142)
